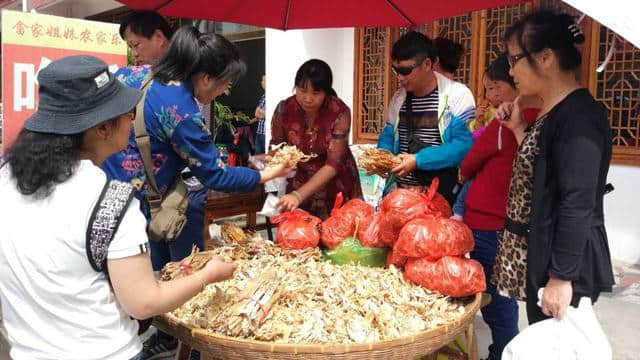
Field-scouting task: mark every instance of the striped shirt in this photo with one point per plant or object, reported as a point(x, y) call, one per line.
point(425, 126)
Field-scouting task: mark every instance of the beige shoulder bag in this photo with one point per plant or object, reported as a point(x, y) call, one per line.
point(168, 215)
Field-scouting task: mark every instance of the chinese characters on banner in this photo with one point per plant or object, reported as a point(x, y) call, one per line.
point(30, 42)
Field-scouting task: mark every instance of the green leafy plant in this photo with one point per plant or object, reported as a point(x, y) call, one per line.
point(225, 117)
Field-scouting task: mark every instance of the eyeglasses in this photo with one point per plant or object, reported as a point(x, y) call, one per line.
point(131, 114)
point(405, 70)
point(513, 59)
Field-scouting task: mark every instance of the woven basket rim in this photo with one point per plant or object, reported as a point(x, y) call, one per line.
point(265, 346)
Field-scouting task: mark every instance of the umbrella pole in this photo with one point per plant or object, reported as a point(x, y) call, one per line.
point(286, 16)
point(163, 5)
point(404, 16)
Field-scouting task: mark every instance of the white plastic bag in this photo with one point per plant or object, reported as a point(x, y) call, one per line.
point(578, 336)
point(269, 207)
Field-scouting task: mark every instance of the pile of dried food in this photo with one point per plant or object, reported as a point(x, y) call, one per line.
point(281, 152)
point(289, 296)
point(377, 161)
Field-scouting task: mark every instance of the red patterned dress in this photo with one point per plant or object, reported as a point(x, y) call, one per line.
point(329, 138)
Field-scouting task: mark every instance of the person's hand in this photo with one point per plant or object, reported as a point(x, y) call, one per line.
point(556, 297)
point(481, 109)
point(407, 164)
point(217, 269)
point(288, 203)
point(456, 217)
point(275, 171)
point(257, 161)
point(510, 115)
point(461, 178)
point(259, 113)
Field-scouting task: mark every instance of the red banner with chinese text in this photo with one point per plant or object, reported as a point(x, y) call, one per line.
point(32, 41)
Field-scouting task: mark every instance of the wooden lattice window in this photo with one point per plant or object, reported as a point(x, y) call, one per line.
point(461, 30)
point(373, 82)
point(617, 88)
point(493, 24)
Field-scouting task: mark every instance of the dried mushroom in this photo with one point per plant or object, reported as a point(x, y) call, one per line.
point(288, 296)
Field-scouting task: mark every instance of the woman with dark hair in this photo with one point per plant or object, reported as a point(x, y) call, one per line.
point(195, 69)
point(487, 169)
point(554, 233)
point(55, 303)
point(316, 121)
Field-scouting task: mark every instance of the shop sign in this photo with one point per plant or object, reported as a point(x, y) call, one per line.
point(30, 42)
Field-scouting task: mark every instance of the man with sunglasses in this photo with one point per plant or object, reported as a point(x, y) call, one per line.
point(426, 118)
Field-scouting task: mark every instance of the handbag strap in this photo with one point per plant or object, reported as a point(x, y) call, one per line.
point(143, 141)
point(105, 220)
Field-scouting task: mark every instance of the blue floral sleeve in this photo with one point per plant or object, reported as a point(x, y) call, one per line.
point(180, 124)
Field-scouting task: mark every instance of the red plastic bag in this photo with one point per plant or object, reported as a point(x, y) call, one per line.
point(433, 237)
point(437, 202)
point(403, 205)
point(355, 209)
point(441, 205)
point(395, 259)
point(297, 230)
point(452, 276)
point(342, 222)
point(376, 231)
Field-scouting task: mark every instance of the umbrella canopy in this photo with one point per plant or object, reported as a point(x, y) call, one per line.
point(620, 16)
point(307, 14)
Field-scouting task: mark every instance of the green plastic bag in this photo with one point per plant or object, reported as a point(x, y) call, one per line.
point(350, 251)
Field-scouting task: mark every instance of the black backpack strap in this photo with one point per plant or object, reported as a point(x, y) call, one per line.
point(105, 220)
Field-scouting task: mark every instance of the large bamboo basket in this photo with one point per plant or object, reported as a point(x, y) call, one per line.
point(408, 347)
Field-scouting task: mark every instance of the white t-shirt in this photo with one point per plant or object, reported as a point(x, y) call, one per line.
point(55, 306)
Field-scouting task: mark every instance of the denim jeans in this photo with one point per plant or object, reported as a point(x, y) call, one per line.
point(502, 313)
point(459, 206)
point(260, 145)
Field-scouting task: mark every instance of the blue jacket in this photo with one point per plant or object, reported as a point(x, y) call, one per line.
point(455, 109)
point(179, 139)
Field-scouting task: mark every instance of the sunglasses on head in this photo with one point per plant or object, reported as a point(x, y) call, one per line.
point(406, 70)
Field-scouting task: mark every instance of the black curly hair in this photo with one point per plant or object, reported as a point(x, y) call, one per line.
point(39, 161)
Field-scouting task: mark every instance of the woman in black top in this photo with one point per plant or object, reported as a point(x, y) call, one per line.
point(554, 233)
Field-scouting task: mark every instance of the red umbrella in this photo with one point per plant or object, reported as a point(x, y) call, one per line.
point(307, 14)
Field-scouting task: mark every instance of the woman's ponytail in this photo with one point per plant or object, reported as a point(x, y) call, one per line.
point(181, 58)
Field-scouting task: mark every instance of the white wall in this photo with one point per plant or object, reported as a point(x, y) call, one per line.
point(621, 213)
point(285, 51)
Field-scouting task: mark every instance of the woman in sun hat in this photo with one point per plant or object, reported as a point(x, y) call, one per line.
point(54, 303)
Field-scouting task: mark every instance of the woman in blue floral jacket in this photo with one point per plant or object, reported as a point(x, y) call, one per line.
point(195, 69)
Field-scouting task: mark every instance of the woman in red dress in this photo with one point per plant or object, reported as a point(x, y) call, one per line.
point(316, 121)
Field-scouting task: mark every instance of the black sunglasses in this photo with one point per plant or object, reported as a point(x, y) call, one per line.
point(406, 70)
point(513, 59)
